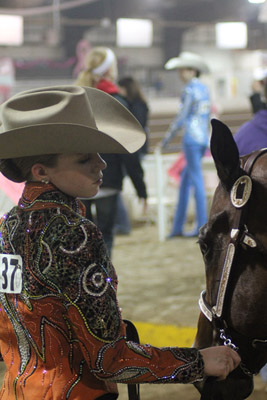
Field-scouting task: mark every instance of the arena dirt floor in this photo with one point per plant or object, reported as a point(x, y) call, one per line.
point(159, 287)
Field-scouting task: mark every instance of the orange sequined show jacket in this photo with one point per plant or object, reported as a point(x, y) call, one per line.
point(61, 332)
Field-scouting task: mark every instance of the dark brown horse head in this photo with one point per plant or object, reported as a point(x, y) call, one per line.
point(234, 248)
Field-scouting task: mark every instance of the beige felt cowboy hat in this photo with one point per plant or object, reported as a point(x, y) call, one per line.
point(66, 119)
point(187, 60)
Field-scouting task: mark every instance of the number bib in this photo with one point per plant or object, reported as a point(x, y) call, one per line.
point(10, 273)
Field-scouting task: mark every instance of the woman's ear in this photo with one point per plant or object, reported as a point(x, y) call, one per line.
point(39, 173)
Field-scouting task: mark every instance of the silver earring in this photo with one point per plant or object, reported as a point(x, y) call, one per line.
point(45, 180)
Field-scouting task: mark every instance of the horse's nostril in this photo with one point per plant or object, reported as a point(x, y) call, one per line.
point(260, 344)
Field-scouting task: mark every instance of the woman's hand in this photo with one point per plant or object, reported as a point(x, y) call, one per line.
point(219, 361)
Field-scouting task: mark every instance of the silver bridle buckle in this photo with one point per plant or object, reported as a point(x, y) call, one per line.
point(239, 202)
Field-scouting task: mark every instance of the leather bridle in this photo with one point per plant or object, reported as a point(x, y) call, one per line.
point(240, 195)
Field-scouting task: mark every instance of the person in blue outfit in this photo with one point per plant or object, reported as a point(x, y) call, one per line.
point(193, 120)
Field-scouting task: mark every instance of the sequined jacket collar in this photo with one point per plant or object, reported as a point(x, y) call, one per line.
point(38, 196)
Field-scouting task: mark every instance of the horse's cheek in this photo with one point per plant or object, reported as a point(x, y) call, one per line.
point(204, 333)
point(246, 303)
point(240, 301)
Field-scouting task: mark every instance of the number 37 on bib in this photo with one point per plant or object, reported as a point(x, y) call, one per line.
point(10, 273)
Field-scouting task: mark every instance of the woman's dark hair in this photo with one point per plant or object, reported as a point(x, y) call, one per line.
point(19, 169)
point(197, 71)
point(132, 89)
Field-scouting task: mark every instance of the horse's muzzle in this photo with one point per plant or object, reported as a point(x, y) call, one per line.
point(237, 386)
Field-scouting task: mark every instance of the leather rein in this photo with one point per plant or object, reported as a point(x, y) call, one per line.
point(239, 195)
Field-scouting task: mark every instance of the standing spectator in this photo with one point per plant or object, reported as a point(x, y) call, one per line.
point(252, 135)
point(257, 97)
point(101, 72)
point(193, 116)
point(131, 90)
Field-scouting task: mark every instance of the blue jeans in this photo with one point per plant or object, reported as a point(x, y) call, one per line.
point(191, 177)
point(122, 220)
point(263, 373)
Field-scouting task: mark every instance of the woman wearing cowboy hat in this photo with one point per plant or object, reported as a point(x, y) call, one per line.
point(193, 117)
point(101, 72)
point(61, 332)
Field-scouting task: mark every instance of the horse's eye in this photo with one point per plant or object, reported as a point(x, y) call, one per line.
point(203, 247)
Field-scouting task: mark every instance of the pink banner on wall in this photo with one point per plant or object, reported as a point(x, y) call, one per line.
point(11, 189)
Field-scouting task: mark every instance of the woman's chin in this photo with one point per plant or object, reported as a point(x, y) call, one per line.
point(90, 194)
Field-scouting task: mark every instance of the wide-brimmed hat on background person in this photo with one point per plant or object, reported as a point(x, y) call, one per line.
point(187, 60)
point(66, 119)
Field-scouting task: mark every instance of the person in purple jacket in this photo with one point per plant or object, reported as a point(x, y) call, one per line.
point(252, 135)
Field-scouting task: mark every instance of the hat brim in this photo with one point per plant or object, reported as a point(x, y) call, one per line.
point(117, 132)
point(116, 122)
point(178, 63)
point(70, 139)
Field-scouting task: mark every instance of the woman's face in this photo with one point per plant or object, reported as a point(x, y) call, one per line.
point(78, 175)
point(186, 74)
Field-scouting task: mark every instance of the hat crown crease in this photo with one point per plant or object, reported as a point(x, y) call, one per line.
point(48, 107)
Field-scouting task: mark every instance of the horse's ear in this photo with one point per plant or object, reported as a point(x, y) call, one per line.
point(225, 154)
